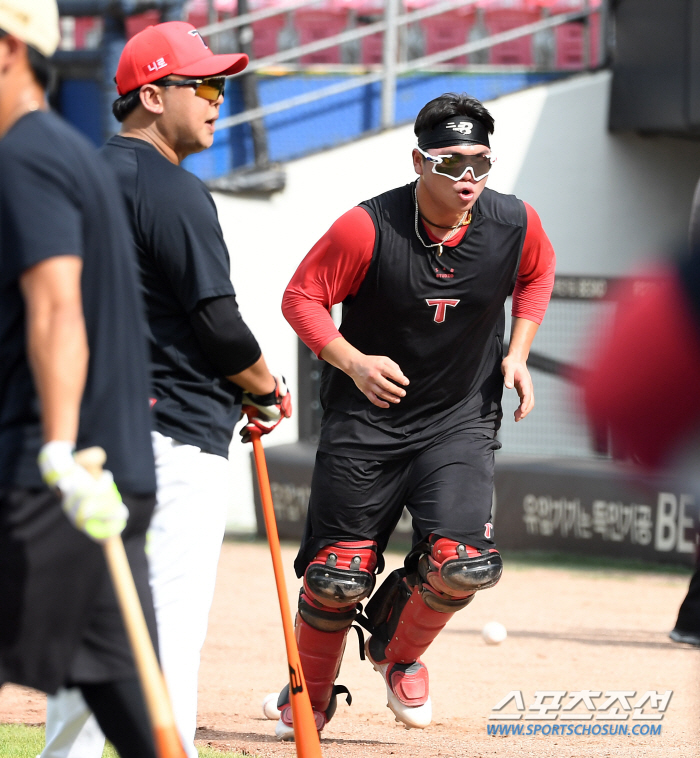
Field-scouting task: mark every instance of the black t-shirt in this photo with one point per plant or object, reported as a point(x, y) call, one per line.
point(57, 197)
point(182, 259)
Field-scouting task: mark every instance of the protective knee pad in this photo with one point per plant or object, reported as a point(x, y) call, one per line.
point(455, 571)
point(408, 611)
point(341, 574)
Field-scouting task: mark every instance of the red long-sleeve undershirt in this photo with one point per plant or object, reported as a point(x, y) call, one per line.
point(337, 264)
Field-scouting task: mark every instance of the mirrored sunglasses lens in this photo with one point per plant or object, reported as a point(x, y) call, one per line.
point(211, 89)
point(457, 165)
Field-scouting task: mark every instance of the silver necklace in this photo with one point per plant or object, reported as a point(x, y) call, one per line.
point(438, 245)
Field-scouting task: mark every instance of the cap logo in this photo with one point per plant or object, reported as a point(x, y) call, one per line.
point(465, 127)
point(195, 33)
point(157, 65)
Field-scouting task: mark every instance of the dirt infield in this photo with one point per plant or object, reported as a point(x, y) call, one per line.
point(569, 630)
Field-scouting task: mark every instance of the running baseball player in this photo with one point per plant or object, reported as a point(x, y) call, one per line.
point(412, 402)
point(205, 362)
point(73, 374)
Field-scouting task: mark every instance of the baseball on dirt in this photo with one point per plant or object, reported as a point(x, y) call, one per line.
point(270, 706)
point(494, 633)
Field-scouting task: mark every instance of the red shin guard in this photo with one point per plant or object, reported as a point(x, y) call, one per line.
point(417, 627)
point(336, 580)
point(321, 654)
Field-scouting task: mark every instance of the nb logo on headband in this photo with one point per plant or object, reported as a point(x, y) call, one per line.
point(465, 127)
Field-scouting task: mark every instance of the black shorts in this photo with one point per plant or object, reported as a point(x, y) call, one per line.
point(59, 619)
point(446, 487)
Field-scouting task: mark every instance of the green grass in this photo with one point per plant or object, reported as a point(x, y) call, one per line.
point(19, 741)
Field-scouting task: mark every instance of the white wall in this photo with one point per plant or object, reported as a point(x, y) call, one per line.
point(606, 201)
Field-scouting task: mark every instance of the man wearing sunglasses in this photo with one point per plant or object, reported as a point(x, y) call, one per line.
point(205, 362)
point(412, 402)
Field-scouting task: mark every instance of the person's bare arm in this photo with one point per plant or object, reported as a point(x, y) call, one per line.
point(376, 376)
point(514, 365)
point(58, 353)
point(256, 379)
point(57, 342)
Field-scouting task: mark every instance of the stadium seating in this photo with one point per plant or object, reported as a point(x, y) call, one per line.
point(503, 15)
point(135, 24)
point(266, 33)
point(80, 32)
point(197, 13)
point(569, 38)
point(372, 46)
point(326, 18)
point(318, 21)
point(446, 30)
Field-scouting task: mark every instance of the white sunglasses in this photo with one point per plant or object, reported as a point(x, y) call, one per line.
point(456, 166)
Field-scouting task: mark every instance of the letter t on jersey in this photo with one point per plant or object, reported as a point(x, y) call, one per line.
point(441, 307)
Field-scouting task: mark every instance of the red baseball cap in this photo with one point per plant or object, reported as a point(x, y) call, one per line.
point(174, 47)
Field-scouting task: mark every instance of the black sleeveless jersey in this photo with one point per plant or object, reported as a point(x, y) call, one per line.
point(441, 318)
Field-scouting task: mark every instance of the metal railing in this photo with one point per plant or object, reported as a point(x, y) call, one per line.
point(391, 68)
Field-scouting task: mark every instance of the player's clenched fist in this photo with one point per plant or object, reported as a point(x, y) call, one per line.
point(378, 377)
point(93, 505)
point(265, 412)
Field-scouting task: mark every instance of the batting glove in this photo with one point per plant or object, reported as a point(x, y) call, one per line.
point(265, 412)
point(94, 506)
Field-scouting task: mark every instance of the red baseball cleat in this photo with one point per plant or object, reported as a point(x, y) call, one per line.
point(284, 730)
point(407, 690)
point(285, 726)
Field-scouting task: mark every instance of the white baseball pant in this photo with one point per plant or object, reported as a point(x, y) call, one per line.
point(184, 542)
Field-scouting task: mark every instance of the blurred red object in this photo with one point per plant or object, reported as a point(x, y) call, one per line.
point(644, 380)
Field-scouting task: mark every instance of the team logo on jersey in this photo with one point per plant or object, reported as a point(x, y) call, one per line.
point(488, 530)
point(440, 308)
point(195, 33)
point(464, 127)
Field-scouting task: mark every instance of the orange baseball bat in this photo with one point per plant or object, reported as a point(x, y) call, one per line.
point(305, 734)
point(160, 712)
